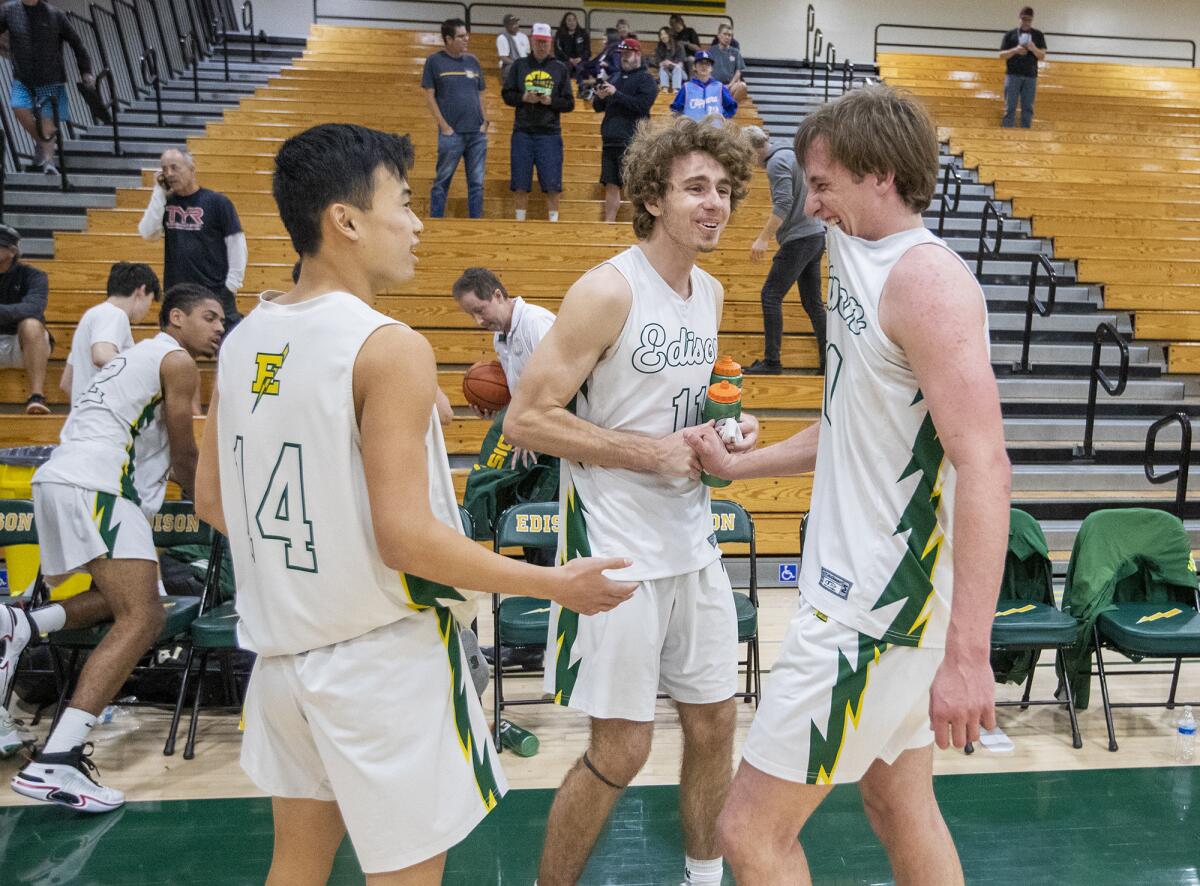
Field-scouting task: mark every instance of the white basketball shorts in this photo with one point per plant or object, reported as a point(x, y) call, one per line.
point(76, 526)
point(675, 634)
point(388, 725)
point(837, 700)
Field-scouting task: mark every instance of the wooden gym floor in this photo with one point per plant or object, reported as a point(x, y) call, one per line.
point(1042, 813)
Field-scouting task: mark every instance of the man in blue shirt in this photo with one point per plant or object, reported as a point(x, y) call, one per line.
point(702, 95)
point(453, 84)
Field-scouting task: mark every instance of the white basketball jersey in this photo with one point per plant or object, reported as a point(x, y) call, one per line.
point(104, 322)
point(294, 493)
point(115, 439)
point(878, 552)
point(652, 381)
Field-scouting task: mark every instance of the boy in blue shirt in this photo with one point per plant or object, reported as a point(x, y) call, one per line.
point(702, 95)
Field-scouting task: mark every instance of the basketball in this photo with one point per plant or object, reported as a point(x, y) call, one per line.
point(485, 386)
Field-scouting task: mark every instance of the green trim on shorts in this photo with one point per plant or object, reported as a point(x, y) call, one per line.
point(102, 514)
point(576, 545)
point(845, 709)
point(476, 752)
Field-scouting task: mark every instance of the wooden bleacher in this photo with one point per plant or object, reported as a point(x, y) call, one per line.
point(372, 76)
point(1110, 171)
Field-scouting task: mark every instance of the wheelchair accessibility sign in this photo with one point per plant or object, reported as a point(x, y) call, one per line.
point(787, 572)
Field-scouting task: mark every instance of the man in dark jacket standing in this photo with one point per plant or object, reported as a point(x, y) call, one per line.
point(36, 32)
point(625, 100)
point(539, 87)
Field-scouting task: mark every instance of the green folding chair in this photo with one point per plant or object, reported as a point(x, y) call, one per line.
point(176, 523)
point(1145, 604)
point(732, 524)
point(214, 631)
point(520, 621)
point(1026, 620)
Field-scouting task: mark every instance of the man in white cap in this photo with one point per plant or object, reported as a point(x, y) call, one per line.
point(539, 87)
point(511, 44)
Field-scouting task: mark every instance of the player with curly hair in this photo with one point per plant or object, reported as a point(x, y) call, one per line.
point(610, 390)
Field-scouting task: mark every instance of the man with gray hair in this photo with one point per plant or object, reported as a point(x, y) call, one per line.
point(203, 238)
point(798, 261)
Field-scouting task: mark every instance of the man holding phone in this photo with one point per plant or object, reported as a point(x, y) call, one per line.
point(1022, 48)
point(203, 238)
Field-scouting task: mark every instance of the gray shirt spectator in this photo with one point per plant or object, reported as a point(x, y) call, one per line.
point(788, 193)
point(727, 63)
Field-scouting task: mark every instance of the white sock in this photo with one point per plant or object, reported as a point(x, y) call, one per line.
point(703, 872)
point(520, 215)
point(72, 731)
point(50, 618)
point(554, 216)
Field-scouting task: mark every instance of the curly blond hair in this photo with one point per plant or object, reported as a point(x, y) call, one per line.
point(655, 147)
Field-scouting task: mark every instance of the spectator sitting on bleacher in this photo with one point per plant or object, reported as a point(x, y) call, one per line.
point(36, 31)
point(716, 40)
point(203, 241)
point(685, 35)
point(608, 60)
point(626, 101)
point(573, 48)
point(669, 57)
point(728, 63)
point(104, 329)
point(453, 84)
point(511, 44)
point(540, 89)
point(1022, 48)
point(702, 95)
point(24, 340)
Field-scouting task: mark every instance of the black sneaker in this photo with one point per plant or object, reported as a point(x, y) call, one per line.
point(763, 367)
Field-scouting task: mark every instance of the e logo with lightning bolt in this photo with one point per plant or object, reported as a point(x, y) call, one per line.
point(266, 375)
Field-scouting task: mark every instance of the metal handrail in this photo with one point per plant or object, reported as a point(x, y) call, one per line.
point(810, 25)
point(1032, 304)
point(989, 206)
point(148, 67)
point(318, 16)
point(1098, 377)
point(113, 104)
point(141, 32)
point(248, 24)
point(190, 45)
point(221, 39)
point(39, 124)
point(162, 41)
point(951, 172)
point(818, 45)
point(605, 9)
point(830, 62)
point(1058, 52)
point(847, 76)
point(1182, 466)
point(560, 11)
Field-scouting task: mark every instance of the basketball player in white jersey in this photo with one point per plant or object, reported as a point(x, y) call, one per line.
point(905, 545)
point(324, 464)
point(104, 329)
point(92, 503)
point(610, 389)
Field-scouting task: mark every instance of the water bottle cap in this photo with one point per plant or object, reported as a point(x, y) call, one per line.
point(728, 367)
point(724, 392)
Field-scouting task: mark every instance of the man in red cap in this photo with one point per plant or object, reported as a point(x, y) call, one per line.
point(625, 100)
point(539, 87)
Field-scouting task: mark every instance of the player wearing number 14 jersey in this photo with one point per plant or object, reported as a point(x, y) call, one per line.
point(324, 464)
point(630, 355)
